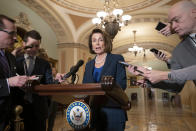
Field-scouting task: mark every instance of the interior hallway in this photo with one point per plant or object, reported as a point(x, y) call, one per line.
point(153, 115)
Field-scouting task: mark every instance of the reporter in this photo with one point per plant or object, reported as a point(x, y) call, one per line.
point(182, 17)
point(8, 78)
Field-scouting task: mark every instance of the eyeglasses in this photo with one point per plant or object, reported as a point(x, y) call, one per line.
point(12, 33)
point(36, 46)
point(31, 46)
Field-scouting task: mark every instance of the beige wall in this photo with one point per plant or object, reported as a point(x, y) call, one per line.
point(69, 55)
point(12, 8)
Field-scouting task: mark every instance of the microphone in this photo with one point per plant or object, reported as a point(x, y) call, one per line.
point(28, 46)
point(73, 69)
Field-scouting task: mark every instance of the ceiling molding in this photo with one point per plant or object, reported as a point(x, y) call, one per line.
point(78, 20)
point(23, 21)
point(151, 17)
point(146, 45)
point(61, 34)
point(71, 45)
point(87, 7)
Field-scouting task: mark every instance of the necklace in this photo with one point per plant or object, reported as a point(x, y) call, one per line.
point(101, 60)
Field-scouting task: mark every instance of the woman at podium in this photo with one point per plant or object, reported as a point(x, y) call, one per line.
point(107, 114)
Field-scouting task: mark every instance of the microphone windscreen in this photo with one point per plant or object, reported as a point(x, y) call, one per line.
point(80, 63)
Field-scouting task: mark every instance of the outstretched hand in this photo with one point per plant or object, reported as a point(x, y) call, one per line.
point(167, 31)
point(137, 70)
point(59, 77)
point(155, 76)
point(161, 56)
point(17, 81)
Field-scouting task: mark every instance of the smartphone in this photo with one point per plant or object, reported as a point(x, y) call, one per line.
point(126, 64)
point(160, 26)
point(154, 50)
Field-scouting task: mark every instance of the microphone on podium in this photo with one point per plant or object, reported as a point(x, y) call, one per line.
point(74, 69)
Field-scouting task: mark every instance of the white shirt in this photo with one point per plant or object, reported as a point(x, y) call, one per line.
point(193, 36)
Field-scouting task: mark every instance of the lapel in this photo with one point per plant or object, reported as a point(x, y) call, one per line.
point(12, 64)
point(21, 65)
point(189, 45)
point(91, 68)
point(35, 69)
point(106, 64)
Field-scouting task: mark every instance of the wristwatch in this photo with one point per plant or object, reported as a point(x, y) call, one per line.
point(169, 76)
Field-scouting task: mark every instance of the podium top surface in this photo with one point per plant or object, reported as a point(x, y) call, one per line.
point(69, 89)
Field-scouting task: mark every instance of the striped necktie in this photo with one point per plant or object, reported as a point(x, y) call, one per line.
point(30, 64)
point(4, 64)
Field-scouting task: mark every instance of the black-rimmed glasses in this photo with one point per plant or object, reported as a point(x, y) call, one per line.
point(12, 33)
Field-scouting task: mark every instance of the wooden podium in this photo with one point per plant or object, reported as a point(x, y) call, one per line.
point(70, 89)
point(90, 89)
point(78, 110)
point(64, 94)
point(78, 113)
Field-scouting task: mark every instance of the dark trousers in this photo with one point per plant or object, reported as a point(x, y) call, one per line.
point(52, 115)
point(2, 126)
point(108, 119)
point(32, 121)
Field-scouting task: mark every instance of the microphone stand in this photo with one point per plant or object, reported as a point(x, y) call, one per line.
point(73, 78)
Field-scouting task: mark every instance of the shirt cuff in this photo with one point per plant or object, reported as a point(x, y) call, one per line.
point(8, 86)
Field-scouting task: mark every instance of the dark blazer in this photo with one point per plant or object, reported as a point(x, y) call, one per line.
point(184, 55)
point(4, 92)
point(41, 67)
point(116, 70)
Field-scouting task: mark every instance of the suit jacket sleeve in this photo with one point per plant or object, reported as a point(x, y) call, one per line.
point(4, 91)
point(48, 74)
point(85, 76)
point(4, 88)
point(188, 73)
point(121, 74)
point(169, 85)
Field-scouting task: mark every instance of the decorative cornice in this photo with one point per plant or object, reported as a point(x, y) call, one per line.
point(47, 16)
point(23, 21)
point(146, 45)
point(90, 9)
point(71, 45)
point(149, 18)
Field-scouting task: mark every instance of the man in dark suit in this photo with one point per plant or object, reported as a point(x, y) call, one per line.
point(35, 106)
point(182, 21)
point(8, 76)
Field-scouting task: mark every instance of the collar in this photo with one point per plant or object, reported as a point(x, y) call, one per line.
point(26, 56)
point(2, 52)
point(193, 35)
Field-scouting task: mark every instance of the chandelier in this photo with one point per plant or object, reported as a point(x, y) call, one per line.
point(135, 49)
point(111, 18)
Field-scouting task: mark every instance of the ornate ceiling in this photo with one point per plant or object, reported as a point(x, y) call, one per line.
point(71, 21)
point(89, 7)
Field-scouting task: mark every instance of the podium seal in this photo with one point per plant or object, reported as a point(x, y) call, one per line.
point(78, 115)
